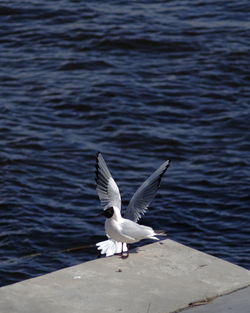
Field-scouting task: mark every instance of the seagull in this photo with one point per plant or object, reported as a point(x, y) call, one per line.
point(122, 231)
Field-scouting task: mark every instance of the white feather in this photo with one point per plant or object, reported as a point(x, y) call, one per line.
point(111, 247)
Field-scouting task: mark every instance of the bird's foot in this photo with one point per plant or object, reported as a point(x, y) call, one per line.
point(124, 255)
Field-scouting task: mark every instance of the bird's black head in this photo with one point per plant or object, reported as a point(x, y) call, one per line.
point(109, 212)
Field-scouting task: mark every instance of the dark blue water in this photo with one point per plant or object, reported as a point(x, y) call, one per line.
point(142, 82)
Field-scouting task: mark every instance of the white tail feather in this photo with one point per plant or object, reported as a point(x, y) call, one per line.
point(153, 237)
point(111, 247)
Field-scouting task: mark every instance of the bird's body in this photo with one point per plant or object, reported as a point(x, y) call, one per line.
point(122, 231)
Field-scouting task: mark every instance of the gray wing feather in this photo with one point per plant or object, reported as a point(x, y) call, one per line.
point(145, 194)
point(106, 187)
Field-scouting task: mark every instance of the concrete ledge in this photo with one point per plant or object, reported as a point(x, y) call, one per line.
point(237, 301)
point(162, 277)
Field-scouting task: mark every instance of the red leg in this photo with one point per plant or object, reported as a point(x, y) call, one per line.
point(124, 256)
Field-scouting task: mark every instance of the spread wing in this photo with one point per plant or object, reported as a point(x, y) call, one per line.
point(106, 187)
point(145, 194)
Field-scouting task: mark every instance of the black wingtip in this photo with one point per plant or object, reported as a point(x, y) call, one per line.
point(97, 166)
point(163, 172)
point(167, 166)
point(98, 154)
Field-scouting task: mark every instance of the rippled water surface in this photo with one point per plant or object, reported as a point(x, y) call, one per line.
point(143, 82)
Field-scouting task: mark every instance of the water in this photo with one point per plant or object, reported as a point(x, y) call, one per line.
point(142, 82)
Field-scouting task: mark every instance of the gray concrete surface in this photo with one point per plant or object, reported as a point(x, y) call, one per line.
point(162, 277)
point(237, 301)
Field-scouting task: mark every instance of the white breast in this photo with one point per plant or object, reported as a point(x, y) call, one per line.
point(114, 230)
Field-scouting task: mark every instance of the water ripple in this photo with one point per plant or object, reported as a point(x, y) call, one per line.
point(142, 82)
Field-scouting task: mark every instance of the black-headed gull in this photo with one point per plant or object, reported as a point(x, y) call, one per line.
point(119, 230)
